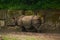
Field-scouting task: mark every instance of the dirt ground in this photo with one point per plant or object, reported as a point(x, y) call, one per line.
point(31, 36)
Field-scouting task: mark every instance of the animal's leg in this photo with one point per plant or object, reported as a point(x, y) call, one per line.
point(24, 29)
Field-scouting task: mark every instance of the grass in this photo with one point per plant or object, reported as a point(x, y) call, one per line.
point(19, 36)
point(18, 39)
point(6, 38)
point(13, 38)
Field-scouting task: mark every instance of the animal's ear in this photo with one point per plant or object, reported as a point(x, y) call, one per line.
point(23, 12)
point(35, 12)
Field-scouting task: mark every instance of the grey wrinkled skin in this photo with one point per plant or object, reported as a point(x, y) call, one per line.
point(27, 22)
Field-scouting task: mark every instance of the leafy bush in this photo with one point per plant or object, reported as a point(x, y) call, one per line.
point(30, 4)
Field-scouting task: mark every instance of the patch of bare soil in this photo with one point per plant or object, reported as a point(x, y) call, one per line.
point(32, 36)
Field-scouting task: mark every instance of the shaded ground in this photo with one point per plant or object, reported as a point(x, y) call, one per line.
point(30, 36)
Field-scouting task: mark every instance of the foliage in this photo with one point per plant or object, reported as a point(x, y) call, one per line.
point(30, 4)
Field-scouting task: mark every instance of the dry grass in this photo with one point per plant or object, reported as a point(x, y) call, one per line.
point(30, 36)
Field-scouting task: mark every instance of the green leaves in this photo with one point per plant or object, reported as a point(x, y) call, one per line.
point(30, 4)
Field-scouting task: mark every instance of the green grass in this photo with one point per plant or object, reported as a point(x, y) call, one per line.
point(17, 39)
point(6, 38)
point(26, 38)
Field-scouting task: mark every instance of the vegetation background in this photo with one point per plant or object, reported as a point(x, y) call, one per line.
point(30, 4)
